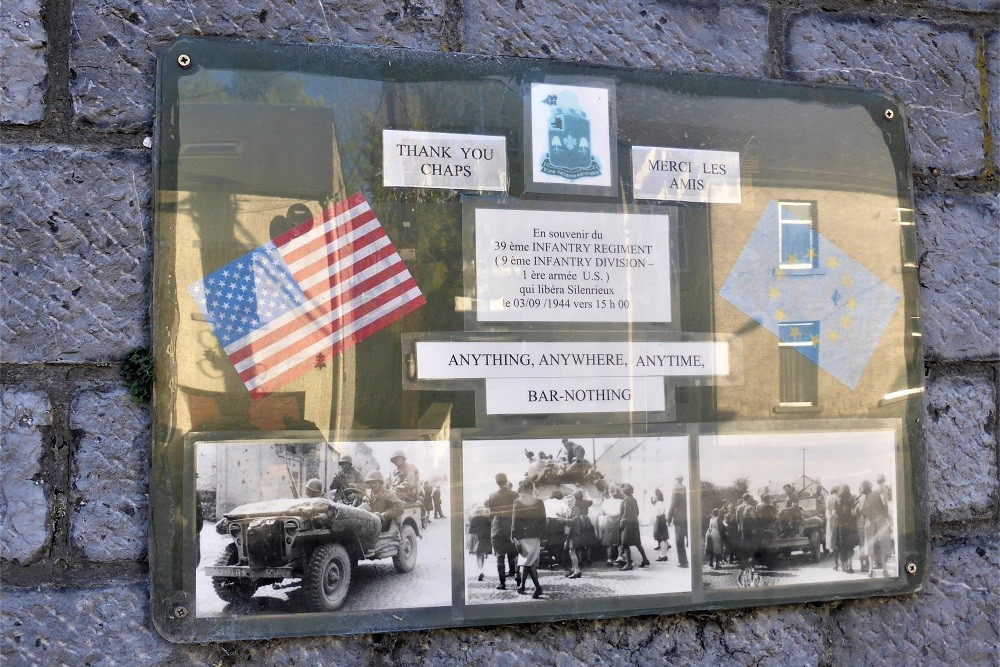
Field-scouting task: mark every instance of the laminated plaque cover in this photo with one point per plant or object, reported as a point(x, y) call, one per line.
point(447, 340)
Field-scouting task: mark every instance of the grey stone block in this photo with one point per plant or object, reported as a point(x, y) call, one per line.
point(993, 69)
point(931, 68)
point(110, 474)
point(958, 242)
point(953, 621)
point(75, 253)
point(357, 650)
point(961, 445)
point(115, 41)
point(720, 38)
point(24, 508)
point(101, 626)
point(22, 61)
point(968, 5)
point(788, 635)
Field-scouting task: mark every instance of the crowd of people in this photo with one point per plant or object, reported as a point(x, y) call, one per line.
point(862, 522)
point(521, 528)
point(844, 524)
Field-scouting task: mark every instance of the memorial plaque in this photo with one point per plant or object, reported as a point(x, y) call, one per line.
point(448, 340)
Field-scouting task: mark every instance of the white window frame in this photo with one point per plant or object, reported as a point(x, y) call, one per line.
point(811, 222)
point(803, 343)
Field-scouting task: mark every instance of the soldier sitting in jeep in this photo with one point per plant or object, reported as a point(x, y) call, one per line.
point(382, 501)
point(349, 478)
point(405, 479)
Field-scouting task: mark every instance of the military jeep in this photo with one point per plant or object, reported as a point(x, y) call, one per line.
point(315, 540)
point(805, 535)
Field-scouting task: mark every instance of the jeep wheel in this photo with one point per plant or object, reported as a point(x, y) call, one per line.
point(327, 577)
point(406, 559)
point(234, 590)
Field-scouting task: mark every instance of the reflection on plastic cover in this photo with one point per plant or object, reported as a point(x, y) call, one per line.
point(612, 322)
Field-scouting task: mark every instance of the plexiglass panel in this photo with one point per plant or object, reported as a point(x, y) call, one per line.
point(446, 340)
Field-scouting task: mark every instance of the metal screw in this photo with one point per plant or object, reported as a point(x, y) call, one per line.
point(184, 60)
point(180, 611)
point(911, 568)
point(889, 114)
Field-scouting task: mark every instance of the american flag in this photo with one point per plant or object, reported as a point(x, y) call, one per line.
point(314, 291)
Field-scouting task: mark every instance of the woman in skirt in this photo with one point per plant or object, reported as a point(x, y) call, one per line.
point(479, 536)
point(846, 537)
point(526, 530)
point(713, 541)
point(608, 526)
point(629, 519)
point(572, 533)
point(660, 531)
point(587, 536)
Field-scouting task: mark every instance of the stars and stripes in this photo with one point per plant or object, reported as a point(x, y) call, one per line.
point(285, 307)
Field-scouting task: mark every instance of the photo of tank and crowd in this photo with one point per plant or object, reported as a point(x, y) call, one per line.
point(358, 526)
point(575, 518)
point(797, 508)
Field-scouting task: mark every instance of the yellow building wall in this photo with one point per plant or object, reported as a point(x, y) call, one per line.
point(864, 226)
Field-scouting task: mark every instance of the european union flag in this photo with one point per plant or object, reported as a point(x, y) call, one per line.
point(809, 293)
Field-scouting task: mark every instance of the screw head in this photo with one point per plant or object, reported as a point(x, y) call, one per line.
point(180, 611)
point(889, 114)
point(184, 60)
point(911, 568)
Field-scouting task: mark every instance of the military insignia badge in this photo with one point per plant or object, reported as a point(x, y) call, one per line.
point(569, 153)
point(571, 132)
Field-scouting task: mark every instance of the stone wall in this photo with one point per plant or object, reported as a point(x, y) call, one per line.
point(76, 92)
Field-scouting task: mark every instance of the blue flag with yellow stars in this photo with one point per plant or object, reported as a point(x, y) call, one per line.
point(809, 293)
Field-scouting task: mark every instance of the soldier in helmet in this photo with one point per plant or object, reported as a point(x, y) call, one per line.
point(572, 452)
point(349, 477)
point(314, 488)
point(383, 501)
point(405, 480)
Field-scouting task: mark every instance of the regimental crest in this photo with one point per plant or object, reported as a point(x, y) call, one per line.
point(569, 139)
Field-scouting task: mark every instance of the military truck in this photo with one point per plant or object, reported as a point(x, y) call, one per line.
point(315, 540)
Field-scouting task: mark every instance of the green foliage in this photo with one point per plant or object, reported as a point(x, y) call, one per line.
point(740, 486)
point(138, 374)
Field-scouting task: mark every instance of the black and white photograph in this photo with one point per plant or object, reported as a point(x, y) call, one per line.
point(783, 509)
point(575, 518)
point(287, 527)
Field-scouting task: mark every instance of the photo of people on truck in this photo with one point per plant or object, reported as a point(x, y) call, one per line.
point(575, 517)
point(797, 508)
point(307, 527)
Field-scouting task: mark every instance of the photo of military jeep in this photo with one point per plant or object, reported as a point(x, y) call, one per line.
point(316, 540)
point(800, 532)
